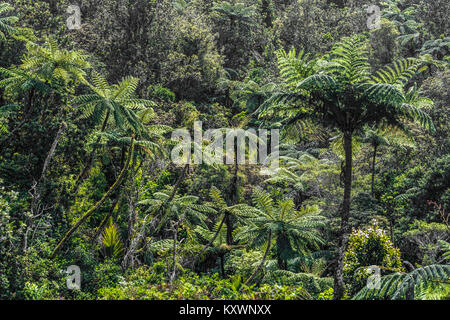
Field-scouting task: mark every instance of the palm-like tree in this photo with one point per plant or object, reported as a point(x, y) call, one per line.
point(55, 65)
point(183, 209)
point(343, 95)
point(299, 173)
point(117, 100)
point(43, 69)
point(150, 143)
point(6, 22)
point(217, 243)
point(225, 213)
point(236, 12)
point(289, 227)
point(377, 138)
point(111, 103)
point(178, 211)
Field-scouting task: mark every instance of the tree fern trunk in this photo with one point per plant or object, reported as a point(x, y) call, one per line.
point(222, 265)
point(269, 241)
point(116, 201)
point(212, 240)
point(338, 276)
point(373, 168)
point(100, 202)
point(174, 257)
point(235, 196)
point(36, 189)
point(90, 161)
point(178, 183)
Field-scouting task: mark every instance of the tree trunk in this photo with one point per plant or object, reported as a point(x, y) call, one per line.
point(373, 168)
point(174, 257)
point(222, 265)
point(116, 201)
point(106, 218)
point(391, 227)
point(229, 229)
point(36, 189)
point(212, 240)
point(263, 259)
point(100, 202)
point(338, 276)
point(177, 184)
point(235, 198)
point(90, 161)
point(59, 134)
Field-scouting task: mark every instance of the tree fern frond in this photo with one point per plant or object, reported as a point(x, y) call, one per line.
point(400, 286)
point(399, 73)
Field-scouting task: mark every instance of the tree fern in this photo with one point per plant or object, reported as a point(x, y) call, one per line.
point(6, 22)
point(290, 228)
point(55, 65)
point(445, 246)
point(343, 95)
point(116, 102)
point(295, 67)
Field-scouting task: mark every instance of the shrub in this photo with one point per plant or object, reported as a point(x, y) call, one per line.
point(367, 247)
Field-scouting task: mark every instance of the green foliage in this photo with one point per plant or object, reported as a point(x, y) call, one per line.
point(6, 23)
point(52, 64)
point(117, 101)
point(292, 229)
point(161, 93)
point(400, 286)
point(423, 241)
point(112, 244)
point(368, 247)
point(326, 295)
point(143, 285)
point(351, 105)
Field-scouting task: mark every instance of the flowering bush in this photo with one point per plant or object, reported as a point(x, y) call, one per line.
point(367, 247)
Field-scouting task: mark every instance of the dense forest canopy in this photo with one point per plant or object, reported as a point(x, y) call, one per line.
point(355, 93)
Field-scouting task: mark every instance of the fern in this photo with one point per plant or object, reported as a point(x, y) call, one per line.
point(114, 103)
point(445, 246)
point(112, 244)
point(399, 286)
point(6, 22)
point(295, 67)
point(399, 73)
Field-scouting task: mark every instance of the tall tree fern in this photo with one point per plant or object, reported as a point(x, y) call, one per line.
point(116, 105)
point(343, 95)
